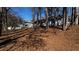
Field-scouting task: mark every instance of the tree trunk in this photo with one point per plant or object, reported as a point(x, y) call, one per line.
point(37, 16)
point(73, 16)
point(0, 26)
point(47, 18)
point(1, 16)
point(64, 17)
point(76, 16)
point(6, 19)
point(33, 17)
point(4, 11)
point(76, 20)
point(39, 13)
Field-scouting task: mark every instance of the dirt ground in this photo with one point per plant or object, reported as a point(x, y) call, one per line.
point(52, 39)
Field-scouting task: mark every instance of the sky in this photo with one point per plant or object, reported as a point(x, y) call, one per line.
point(26, 12)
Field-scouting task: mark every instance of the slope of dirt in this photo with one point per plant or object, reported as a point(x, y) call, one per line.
point(47, 40)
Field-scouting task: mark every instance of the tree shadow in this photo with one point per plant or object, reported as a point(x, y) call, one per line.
point(35, 43)
point(7, 42)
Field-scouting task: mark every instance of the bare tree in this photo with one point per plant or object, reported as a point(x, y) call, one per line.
point(5, 17)
point(50, 11)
